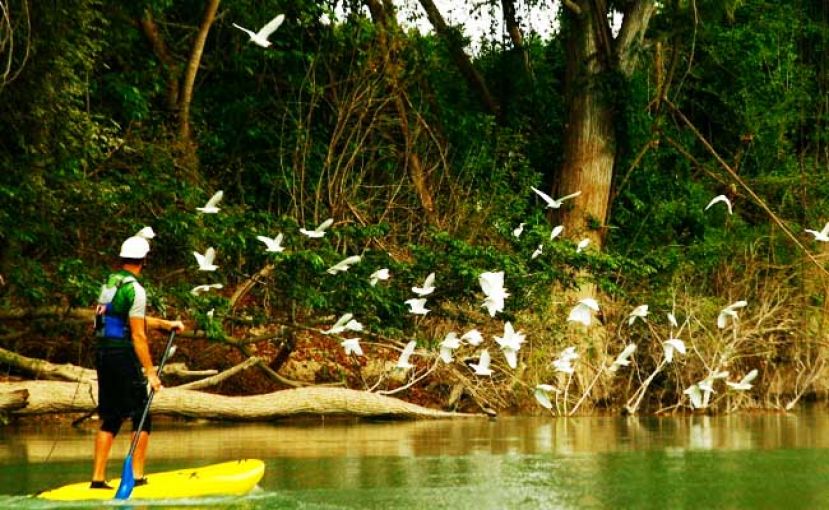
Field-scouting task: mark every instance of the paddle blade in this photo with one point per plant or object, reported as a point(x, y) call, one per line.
point(127, 480)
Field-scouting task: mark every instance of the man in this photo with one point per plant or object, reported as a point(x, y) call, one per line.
point(121, 354)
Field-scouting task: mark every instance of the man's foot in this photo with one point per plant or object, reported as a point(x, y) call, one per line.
point(99, 484)
point(141, 481)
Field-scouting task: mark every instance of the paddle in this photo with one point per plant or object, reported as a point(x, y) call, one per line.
point(127, 478)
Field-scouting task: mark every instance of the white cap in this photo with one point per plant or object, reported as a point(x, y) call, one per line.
point(135, 247)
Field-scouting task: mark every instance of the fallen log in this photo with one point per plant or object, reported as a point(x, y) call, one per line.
point(78, 397)
point(45, 370)
point(15, 399)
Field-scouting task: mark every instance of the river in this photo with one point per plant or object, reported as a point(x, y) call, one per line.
point(734, 461)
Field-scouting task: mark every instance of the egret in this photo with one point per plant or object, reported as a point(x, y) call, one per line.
point(482, 367)
point(564, 362)
point(448, 346)
point(492, 284)
point(210, 313)
point(343, 265)
point(640, 312)
point(206, 261)
point(745, 383)
point(623, 359)
point(146, 232)
point(556, 232)
point(517, 231)
point(672, 320)
point(672, 345)
point(823, 235)
point(582, 245)
point(428, 286)
point(417, 306)
point(695, 395)
point(474, 337)
point(583, 311)
point(352, 346)
point(344, 323)
point(729, 311)
point(403, 362)
point(261, 37)
point(319, 231)
point(272, 245)
point(510, 344)
point(552, 203)
point(542, 395)
point(210, 206)
point(380, 274)
point(198, 289)
point(720, 198)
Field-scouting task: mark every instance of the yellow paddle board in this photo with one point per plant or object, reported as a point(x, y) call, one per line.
point(226, 479)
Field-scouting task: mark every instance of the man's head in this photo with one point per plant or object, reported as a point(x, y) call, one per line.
point(134, 250)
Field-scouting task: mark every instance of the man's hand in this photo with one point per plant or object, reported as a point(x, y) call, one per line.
point(155, 382)
point(175, 325)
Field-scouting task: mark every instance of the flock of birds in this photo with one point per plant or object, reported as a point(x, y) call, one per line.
point(495, 294)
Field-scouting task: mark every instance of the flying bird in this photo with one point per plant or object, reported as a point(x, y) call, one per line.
point(319, 231)
point(198, 289)
point(510, 344)
point(492, 284)
point(403, 362)
point(210, 206)
point(352, 346)
point(564, 362)
point(542, 395)
point(823, 235)
point(261, 37)
point(640, 312)
point(720, 198)
point(582, 245)
point(380, 274)
point(448, 346)
point(552, 203)
point(428, 286)
point(537, 251)
point(474, 337)
point(517, 231)
point(343, 265)
point(623, 359)
point(556, 231)
point(206, 261)
point(482, 367)
point(694, 395)
point(344, 323)
point(672, 345)
point(672, 320)
point(273, 245)
point(745, 383)
point(583, 311)
point(146, 232)
point(729, 311)
point(417, 306)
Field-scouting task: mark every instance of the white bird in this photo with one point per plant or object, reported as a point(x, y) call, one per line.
point(510, 344)
point(492, 284)
point(380, 274)
point(517, 231)
point(403, 362)
point(720, 198)
point(672, 345)
point(582, 245)
point(537, 251)
point(344, 323)
point(823, 235)
point(210, 313)
point(729, 311)
point(552, 203)
point(640, 312)
point(583, 311)
point(319, 231)
point(146, 232)
point(273, 245)
point(198, 289)
point(352, 346)
point(206, 261)
point(564, 362)
point(672, 320)
point(623, 359)
point(428, 286)
point(695, 395)
point(474, 337)
point(417, 306)
point(343, 265)
point(482, 367)
point(261, 37)
point(210, 206)
point(556, 232)
point(448, 346)
point(745, 382)
point(707, 384)
point(542, 395)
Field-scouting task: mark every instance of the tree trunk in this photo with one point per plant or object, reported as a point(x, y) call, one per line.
point(168, 63)
point(45, 397)
point(514, 31)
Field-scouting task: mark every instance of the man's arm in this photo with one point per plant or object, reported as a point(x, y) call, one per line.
point(157, 323)
point(142, 351)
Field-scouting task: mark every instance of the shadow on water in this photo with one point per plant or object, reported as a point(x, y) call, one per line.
point(739, 461)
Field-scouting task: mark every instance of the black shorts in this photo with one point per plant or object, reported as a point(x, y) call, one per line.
point(122, 389)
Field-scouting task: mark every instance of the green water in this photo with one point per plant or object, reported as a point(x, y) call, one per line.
point(760, 461)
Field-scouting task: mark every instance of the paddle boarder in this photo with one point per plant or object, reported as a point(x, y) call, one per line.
point(122, 358)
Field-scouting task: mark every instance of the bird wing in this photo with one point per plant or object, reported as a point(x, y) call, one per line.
point(200, 259)
point(556, 231)
point(324, 225)
point(215, 199)
point(825, 230)
point(720, 198)
point(429, 281)
point(268, 242)
point(542, 398)
point(408, 350)
point(547, 198)
point(245, 30)
point(271, 27)
point(210, 256)
point(749, 377)
point(484, 360)
point(568, 197)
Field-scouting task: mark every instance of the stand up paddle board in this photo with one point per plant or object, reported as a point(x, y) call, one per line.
point(226, 479)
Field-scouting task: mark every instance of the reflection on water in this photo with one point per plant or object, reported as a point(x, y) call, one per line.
point(697, 461)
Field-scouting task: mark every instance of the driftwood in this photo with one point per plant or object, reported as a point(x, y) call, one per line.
point(46, 397)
